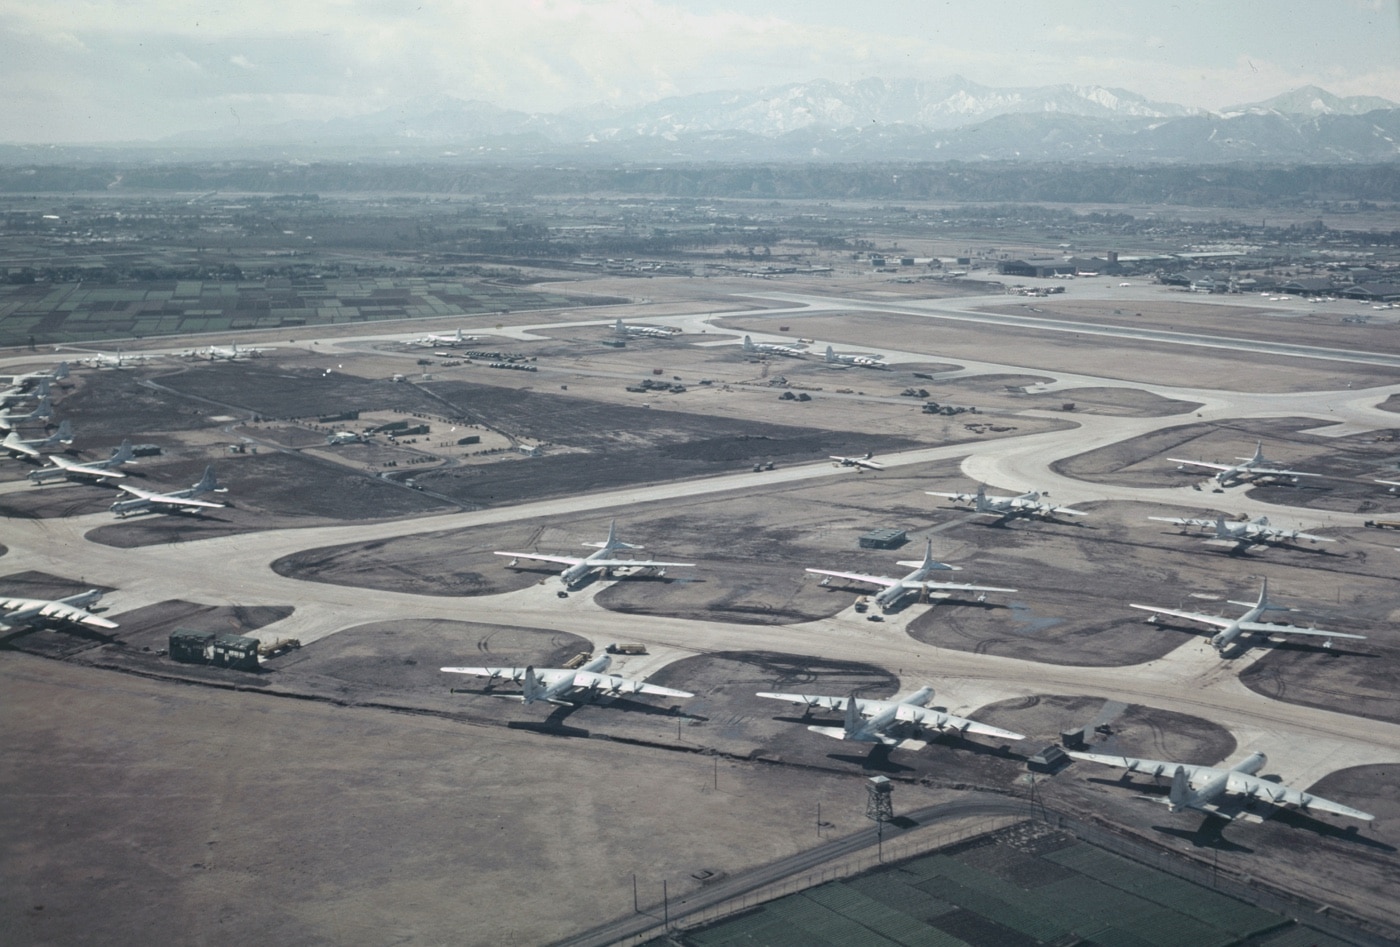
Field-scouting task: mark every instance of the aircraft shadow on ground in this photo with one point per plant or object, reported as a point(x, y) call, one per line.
point(1308, 647)
point(1302, 821)
point(1209, 834)
point(876, 761)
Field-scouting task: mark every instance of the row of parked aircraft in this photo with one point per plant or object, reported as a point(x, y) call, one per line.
point(832, 357)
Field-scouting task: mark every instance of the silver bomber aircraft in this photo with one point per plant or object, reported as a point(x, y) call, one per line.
point(1202, 787)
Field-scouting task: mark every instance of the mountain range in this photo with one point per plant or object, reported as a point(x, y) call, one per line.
point(949, 119)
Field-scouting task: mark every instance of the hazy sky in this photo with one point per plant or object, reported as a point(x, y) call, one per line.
point(122, 70)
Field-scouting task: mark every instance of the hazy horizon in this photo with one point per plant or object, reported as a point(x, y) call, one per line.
point(143, 70)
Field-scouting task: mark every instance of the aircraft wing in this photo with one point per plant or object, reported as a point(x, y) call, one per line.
point(638, 563)
point(953, 587)
point(959, 497)
point(160, 499)
point(1181, 521)
point(1215, 620)
point(1153, 768)
point(537, 557)
point(1271, 629)
point(937, 720)
point(1279, 795)
point(1203, 463)
point(811, 700)
point(13, 443)
point(47, 609)
point(1270, 471)
point(882, 580)
point(613, 684)
point(1062, 510)
point(546, 676)
point(1273, 532)
point(88, 469)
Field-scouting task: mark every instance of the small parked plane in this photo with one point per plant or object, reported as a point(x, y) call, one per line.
point(1202, 787)
point(862, 462)
point(19, 612)
point(57, 373)
point(882, 716)
point(180, 501)
point(1026, 504)
point(1232, 628)
point(601, 561)
point(1256, 466)
point(15, 446)
point(119, 360)
point(1240, 535)
point(556, 685)
point(450, 341)
point(895, 590)
point(656, 332)
point(9, 420)
point(770, 348)
point(25, 393)
point(229, 353)
point(64, 468)
point(834, 357)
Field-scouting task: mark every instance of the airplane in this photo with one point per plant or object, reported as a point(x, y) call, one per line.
point(600, 561)
point(27, 611)
point(24, 392)
point(1247, 467)
point(657, 332)
point(99, 469)
point(842, 358)
point(215, 352)
point(885, 715)
point(769, 348)
point(555, 685)
point(1201, 787)
point(861, 462)
point(448, 340)
point(1027, 504)
point(18, 447)
point(1233, 628)
point(180, 501)
point(9, 420)
point(57, 373)
point(897, 589)
point(1243, 534)
point(119, 360)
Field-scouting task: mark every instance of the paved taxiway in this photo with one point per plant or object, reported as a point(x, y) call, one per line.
point(1302, 743)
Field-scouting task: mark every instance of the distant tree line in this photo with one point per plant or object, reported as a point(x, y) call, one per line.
point(1182, 185)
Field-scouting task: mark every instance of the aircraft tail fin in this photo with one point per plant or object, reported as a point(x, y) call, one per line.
point(830, 354)
point(852, 725)
point(748, 344)
point(1179, 797)
point(121, 455)
point(43, 390)
point(61, 372)
point(533, 690)
point(44, 410)
point(64, 434)
point(1221, 532)
point(613, 542)
point(208, 483)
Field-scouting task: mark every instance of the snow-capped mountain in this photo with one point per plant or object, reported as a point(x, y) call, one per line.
point(872, 119)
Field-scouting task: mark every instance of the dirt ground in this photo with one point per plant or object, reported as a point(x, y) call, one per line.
point(222, 799)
